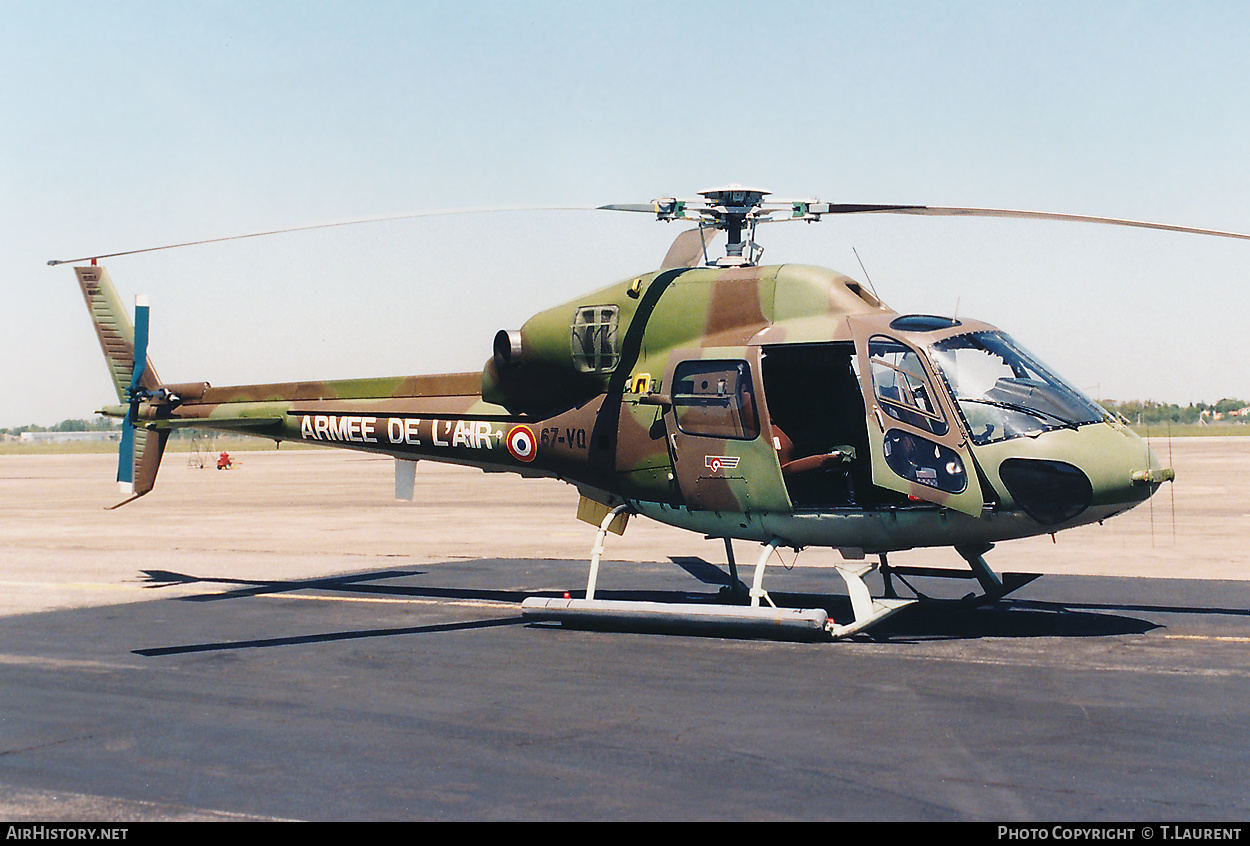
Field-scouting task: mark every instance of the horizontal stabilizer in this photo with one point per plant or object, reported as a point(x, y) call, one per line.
point(241, 423)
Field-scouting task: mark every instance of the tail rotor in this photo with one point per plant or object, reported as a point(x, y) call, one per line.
point(136, 393)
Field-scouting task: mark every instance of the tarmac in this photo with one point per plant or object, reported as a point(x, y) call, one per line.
point(285, 640)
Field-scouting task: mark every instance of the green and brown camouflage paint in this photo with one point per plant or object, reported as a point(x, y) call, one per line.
point(611, 430)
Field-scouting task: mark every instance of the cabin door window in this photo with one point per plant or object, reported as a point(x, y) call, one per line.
point(916, 447)
point(714, 428)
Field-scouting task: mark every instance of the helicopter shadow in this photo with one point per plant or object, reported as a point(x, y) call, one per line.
point(367, 583)
point(323, 637)
point(925, 621)
point(1006, 618)
point(361, 584)
point(959, 620)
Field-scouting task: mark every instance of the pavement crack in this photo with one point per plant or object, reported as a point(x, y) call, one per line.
point(47, 745)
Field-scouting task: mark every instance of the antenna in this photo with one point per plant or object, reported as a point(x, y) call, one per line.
point(867, 278)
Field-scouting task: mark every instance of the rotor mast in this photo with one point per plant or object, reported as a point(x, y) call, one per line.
point(738, 208)
point(731, 208)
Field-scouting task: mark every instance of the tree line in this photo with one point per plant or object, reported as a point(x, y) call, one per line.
point(1149, 411)
point(99, 424)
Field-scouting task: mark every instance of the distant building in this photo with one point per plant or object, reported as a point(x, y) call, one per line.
point(68, 437)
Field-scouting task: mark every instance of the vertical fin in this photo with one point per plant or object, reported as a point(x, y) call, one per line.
point(134, 379)
point(114, 330)
point(149, 447)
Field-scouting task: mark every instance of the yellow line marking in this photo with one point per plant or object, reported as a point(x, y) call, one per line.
point(74, 585)
point(1223, 638)
point(60, 663)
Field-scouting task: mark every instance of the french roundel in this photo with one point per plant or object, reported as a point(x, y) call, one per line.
point(521, 443)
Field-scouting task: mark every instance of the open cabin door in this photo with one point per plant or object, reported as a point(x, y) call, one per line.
point(917, 446)
point(714, 426)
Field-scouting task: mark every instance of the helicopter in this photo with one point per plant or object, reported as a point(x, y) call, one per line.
point(785, 405)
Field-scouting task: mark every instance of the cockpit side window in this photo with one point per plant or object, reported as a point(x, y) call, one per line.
point(902, 387)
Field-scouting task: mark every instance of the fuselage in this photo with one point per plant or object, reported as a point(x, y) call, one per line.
point(755, 402)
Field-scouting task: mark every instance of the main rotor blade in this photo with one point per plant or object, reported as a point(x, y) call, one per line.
point(440, 213)
point(816, 209)
point(649, 208)
point(957, 211)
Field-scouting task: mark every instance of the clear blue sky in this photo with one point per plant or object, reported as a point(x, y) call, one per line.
point(132, 124)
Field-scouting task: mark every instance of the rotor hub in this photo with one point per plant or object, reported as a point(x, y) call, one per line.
point(735, 209)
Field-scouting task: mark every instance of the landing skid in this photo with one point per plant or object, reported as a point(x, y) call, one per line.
point(753, 619)
point(993, 586)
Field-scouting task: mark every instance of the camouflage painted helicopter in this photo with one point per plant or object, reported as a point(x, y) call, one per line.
point(782, 404)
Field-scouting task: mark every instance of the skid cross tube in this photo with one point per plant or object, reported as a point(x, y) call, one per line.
point(868, 611)
point(597, 550)
point(757, 590)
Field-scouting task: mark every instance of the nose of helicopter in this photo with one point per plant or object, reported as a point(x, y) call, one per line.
point(1074, 477)
point(1145, 473)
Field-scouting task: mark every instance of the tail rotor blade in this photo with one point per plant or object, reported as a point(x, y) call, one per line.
point(141, 344)
point(126, 456)
point(126, 451)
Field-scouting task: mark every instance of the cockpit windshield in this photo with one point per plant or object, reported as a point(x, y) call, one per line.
point(1004, 392)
